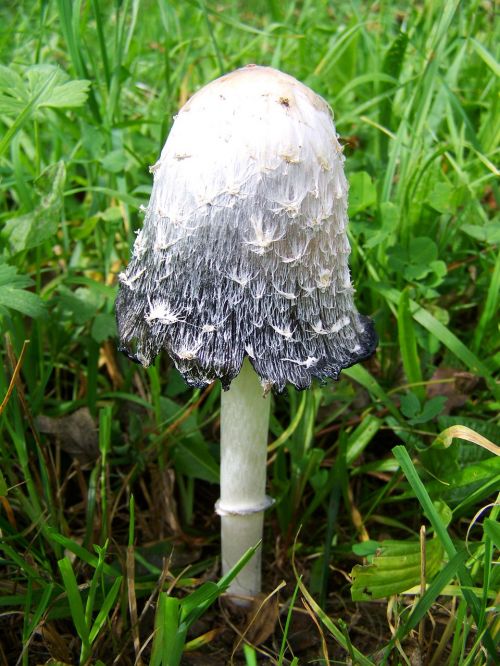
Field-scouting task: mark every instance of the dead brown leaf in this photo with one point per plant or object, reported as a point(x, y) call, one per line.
point(262, 619)
point(454, 384)
point(76, 433)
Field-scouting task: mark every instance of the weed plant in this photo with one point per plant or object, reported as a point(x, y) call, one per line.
point(382, 545)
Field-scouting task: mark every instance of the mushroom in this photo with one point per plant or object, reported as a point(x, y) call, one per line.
point(241, 274)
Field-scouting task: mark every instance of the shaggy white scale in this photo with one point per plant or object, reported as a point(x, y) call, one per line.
point(244, 248)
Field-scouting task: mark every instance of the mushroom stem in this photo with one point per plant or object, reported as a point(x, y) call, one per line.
point(243, 500)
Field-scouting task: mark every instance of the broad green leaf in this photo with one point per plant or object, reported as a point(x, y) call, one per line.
point(417, 261)
point(13, 293)
point(18, 89)
point(394, 569)
point(366, 548)
point(169, 637)
point(375, 234)
point(410, 405)
point(430, 409)
point(192, 457)
point(488, 233)
point(445, 198)
point(40, 224)
point(484, 476)
point(41, 86)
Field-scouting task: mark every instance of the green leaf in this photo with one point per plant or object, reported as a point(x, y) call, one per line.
point(445, 198)
point(416, 261)
point(205, 594)
point(114, 161)
point(492, 530)
point(432, 408)
point(415, 413)
point(67, 95)
point(192, 457)
point(487, 57)
point(107, 604)
point(360, 438)
point(361, 375)
point(433, 591)
point(41, 223)
point(395, 568)
point(444, 335)
point(487, 233)
point(410, 405)
point(104, 327)
point(362, 192)
point(61, 93)
point(366, 548)
point(169, 637)
point(79, 305)
point(461, 484)
point(74, 599)
point(82, 553)
point(408, 345)
point(13, 293)
point(41, 86)
point(4, 488)
point(377, 232)
point(421, 493)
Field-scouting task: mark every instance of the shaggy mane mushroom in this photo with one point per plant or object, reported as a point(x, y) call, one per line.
point(241, 274)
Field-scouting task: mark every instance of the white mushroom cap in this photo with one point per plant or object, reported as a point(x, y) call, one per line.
point(244, 248)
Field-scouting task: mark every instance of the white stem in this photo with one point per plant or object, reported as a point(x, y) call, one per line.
point(244, 434)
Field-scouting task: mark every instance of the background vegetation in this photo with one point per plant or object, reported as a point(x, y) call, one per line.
point(109, 472)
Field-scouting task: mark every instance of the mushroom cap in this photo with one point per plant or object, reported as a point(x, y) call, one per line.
point(244, 250)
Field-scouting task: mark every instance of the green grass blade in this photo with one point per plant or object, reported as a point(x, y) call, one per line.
point(433, 591)
point(287, 625)
point(444, 335)
point(74, 599)
point(107, 604)
point(489, 314)
point(361, 375)
point(40, 609)
point(403, 458)
point(408, 345)
point(83, 553)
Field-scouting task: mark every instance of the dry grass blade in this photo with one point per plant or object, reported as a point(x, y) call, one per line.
point(17, 369)
point(132, 605)
point(463, 432)
point(312, 615)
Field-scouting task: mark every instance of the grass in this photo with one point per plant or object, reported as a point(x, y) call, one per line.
point(109, 473)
